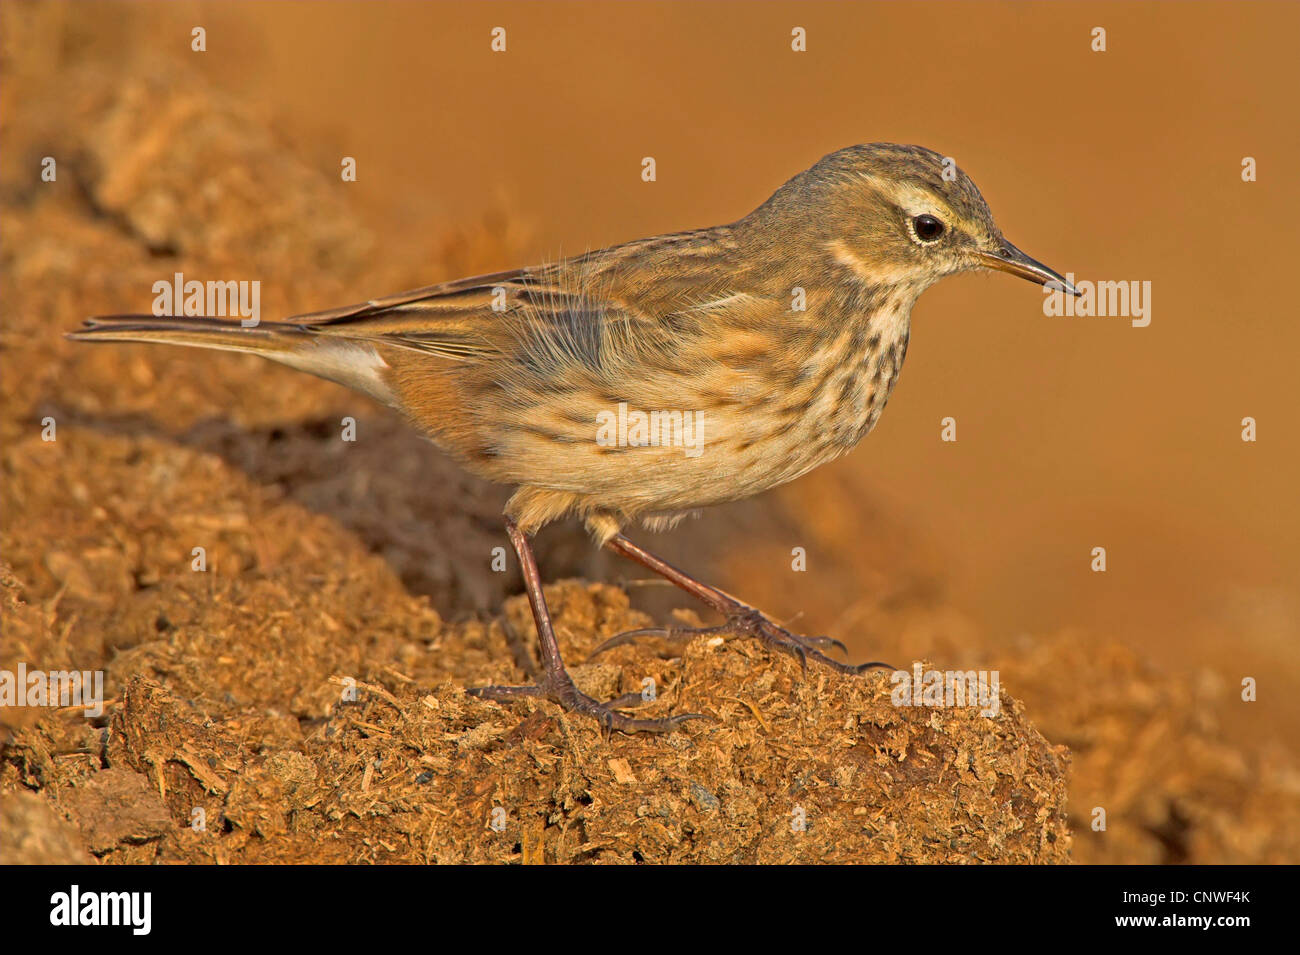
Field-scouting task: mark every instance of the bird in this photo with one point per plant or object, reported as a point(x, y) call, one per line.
point(642, 382)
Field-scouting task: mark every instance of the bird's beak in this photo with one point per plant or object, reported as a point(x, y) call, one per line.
point(1007, 258)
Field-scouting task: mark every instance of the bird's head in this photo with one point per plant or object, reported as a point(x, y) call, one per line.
point(901, 215)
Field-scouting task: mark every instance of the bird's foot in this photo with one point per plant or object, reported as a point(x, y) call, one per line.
point(741, 617)
point(747, 621)
point(803, 648)
point(561, 690)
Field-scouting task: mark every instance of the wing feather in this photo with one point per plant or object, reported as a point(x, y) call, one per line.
point(586, 311)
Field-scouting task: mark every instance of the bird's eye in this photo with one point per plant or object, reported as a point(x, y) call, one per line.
point(927, 227)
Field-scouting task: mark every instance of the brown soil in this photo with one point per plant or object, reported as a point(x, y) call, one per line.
point(302, 699)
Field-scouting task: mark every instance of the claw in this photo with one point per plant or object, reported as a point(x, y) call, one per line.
point(825, 641)
point(628, 636)
point(680, 634)
point(875, 665)
point(801, 647)
point(606, 714)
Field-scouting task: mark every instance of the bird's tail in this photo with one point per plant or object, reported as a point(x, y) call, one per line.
point(349, 362)
point(264, 338)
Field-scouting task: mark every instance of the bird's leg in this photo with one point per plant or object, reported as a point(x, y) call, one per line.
point(555, 684)
point(741, 617)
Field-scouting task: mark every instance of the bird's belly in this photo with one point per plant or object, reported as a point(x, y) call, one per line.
point(710, 438)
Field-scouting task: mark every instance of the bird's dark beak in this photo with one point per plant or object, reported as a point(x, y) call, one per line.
point(1008, 258)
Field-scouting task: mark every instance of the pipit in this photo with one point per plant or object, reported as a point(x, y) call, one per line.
point(645, 381)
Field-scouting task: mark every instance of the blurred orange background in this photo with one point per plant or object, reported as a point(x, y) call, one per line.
point(1073, 433)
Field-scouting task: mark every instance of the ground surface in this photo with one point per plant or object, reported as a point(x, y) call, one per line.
point(302, 698)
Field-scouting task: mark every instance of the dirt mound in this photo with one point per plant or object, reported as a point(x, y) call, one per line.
point(300, 698)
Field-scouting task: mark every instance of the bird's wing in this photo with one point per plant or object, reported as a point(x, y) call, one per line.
point(599, 305)
point(560, 309)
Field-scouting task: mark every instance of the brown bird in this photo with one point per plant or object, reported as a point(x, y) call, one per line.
point(653, 378)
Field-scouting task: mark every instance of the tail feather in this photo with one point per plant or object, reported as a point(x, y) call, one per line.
point(349, 362)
